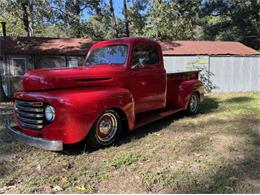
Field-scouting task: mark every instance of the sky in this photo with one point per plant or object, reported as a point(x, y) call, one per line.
point(118, 7)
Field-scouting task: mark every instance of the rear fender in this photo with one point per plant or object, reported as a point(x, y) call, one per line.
point(187, 88)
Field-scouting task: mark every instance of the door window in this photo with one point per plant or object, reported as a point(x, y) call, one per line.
point(146, 55)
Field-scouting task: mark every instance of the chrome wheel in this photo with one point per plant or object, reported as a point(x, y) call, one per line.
point(106, 127)
point(193, 103)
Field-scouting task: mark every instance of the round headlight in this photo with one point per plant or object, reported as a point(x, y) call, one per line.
point(49, 113)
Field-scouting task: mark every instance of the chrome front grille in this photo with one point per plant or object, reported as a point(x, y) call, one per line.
point(30, 114)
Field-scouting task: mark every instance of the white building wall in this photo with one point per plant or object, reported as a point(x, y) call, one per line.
point(230, 73)
point(184, 63)
point(235, 73)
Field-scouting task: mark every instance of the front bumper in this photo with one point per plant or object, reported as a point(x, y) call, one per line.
point(34, 141)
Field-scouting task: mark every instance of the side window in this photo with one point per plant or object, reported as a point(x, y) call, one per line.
point(18, 66)
point(146, 55)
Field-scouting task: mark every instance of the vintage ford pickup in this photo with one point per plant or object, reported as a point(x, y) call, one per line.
point(122, 85)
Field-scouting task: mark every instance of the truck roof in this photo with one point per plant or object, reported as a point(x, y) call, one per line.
point(127, 40)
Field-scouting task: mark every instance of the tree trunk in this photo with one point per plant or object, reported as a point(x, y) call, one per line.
point(75, 24)
point(126, 19)
point(77, 12)
point(26, 20)
point(31, 17)
point(113, 17)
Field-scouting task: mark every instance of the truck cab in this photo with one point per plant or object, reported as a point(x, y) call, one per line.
point(122, 85)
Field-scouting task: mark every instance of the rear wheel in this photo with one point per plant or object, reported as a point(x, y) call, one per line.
point(193, 106)
point(106, 130)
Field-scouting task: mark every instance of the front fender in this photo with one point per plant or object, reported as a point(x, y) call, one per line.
point(78, 109)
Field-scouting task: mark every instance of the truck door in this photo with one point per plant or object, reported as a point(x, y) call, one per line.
point(148, 78)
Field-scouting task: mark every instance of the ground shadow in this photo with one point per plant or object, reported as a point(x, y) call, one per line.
point(239, 99)
point(208, 105)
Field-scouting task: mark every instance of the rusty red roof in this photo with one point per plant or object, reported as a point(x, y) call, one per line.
point(77, 46)
point(48, 46)
point(206, 48)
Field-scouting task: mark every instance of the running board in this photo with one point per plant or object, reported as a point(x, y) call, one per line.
point(144, 119)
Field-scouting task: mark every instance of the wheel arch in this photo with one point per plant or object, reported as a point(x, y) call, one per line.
point(187, 88)
point(198, 93)
point(122, 102)
point(124, 118)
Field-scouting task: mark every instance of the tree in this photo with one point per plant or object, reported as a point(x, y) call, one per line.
point(27, 10)
point(125, 11)
point(113, 17)
point(236, 20)
point(176, 19)
point(14, 25)
point(68, 13)
point(22, 9)
point(29, 15)
point(102, 22)
point(137, 17)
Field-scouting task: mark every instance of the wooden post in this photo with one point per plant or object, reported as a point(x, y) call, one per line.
point(3, 61)
point(4, 28)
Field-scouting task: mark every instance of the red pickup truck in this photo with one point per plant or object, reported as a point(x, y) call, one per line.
point(121, 85)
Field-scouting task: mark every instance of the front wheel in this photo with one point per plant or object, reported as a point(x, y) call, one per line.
point(106, 130)
point(193, 105)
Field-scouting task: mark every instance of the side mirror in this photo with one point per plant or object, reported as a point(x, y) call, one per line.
point(140, 64)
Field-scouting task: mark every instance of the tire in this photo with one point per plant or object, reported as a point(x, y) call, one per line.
point(105, 131)
point(193, 105)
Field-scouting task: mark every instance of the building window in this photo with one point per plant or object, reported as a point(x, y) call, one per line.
point(73, 62)
point(18, 66)
point(50, 61)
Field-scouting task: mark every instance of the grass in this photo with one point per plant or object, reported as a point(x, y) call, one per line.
point(216, 151)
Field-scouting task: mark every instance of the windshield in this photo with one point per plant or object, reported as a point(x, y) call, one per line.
point(113, 54)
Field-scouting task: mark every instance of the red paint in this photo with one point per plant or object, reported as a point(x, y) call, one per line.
point(81, 95)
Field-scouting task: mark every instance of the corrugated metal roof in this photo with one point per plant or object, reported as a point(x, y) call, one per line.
point(77, 46)
point(206, 48)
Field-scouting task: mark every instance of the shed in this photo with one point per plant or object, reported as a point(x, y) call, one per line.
point(229, 66)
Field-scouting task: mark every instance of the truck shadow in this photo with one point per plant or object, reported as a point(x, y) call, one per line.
point(240, 99)
point(207, 106)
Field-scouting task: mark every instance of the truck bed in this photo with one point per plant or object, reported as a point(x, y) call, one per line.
point(173, 82)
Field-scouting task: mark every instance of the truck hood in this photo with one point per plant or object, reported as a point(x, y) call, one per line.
point(60, 78)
